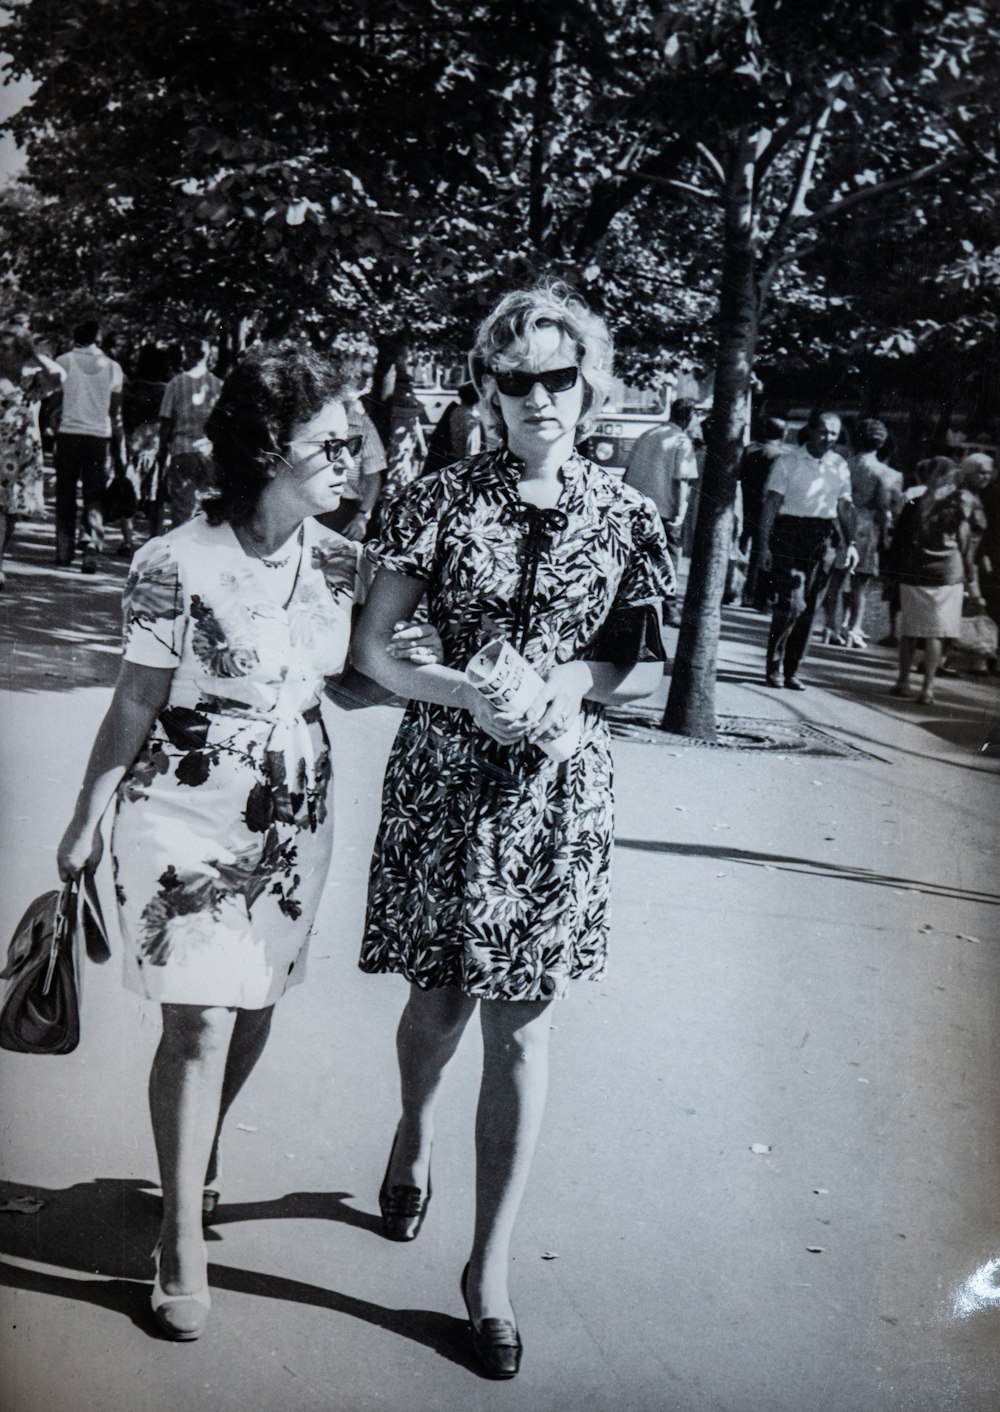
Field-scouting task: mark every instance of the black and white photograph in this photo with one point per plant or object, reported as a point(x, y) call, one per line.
point(500, 705)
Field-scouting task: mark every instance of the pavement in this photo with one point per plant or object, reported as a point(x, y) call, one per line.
point(767, 1179)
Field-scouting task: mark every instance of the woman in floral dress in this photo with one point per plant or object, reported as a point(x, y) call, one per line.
point(489, 883)
point(216, 747)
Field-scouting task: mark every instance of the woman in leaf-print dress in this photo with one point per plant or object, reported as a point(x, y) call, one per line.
point(216, 747)
point(489, 882)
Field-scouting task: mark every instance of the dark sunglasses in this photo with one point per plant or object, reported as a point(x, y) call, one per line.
point(518, 384)
point(334, 445)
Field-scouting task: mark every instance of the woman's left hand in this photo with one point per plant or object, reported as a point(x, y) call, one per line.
point(559, 701)
point(418, 643)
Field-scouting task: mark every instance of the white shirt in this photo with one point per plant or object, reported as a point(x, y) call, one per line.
point(810, 488)
point(91, 379)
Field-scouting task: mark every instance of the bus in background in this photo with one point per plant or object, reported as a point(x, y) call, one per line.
point(436, 384)
point(631, 411)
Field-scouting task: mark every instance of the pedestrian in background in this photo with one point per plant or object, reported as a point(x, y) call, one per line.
point(935, 567)
point(365, 479)
point(21, 465)
point(807, 513)
point(142, 398)
point(848, 589)
point(490, 879)
point(406, 449)
point(89, 426)
point(216, 751)
point(989, 549)
point(185, 451)
point(755, 467)
point(459, 431)
point(662, 465)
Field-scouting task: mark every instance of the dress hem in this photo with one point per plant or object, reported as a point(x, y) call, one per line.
point(485, 993)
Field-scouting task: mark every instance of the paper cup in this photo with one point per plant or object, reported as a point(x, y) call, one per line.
point(510, 684)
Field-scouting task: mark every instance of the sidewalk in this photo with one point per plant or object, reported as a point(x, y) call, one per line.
point(771, 1154)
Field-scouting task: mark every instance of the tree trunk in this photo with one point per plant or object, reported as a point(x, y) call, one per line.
point(691, 702)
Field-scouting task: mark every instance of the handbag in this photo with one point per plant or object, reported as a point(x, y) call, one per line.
point(978, 636)
point(41, 1008)
point(118, 499)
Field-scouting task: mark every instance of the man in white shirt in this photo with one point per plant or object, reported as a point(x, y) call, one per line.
point(662, 465)
point(807, 512)
point(89, 425)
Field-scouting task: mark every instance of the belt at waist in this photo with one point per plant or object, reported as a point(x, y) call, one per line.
point(288, 755)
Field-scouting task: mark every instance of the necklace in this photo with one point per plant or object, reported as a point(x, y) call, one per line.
point(271, 563)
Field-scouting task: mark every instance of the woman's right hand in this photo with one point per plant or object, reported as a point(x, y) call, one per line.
point(506, 729)
point(79, 851)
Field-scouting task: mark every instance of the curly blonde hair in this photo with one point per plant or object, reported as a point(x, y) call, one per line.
point(502, 341)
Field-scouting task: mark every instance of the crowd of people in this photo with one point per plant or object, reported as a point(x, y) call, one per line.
point(318, 543)
point(820, 531)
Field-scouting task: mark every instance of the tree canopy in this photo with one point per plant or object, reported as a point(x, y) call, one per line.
point(756, 183)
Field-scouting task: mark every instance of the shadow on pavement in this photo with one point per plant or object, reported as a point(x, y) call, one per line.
point(108, 1227)
point(777, 862)
point(58, 629)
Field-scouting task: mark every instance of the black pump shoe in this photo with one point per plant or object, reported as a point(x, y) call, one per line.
point(495, 1342)
point(403, 1207)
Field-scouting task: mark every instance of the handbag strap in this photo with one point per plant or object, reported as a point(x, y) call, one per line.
point(90, 916)
point(62, 927)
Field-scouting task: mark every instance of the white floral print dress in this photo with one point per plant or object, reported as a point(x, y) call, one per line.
point(221, 843)
point(491, 866)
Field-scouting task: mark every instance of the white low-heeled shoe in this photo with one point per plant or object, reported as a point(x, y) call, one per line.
point(182, 1317)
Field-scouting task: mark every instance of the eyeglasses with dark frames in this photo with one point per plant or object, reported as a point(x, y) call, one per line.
point(334, 446)
point(515, 383)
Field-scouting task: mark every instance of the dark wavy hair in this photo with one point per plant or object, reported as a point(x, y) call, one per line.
point(274, 388)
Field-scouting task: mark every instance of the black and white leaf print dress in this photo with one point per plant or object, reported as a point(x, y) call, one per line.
point(221, 841)
point(491, 866)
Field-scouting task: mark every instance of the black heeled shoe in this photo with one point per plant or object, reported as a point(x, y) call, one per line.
point(495, 1342)
point(403, 1207)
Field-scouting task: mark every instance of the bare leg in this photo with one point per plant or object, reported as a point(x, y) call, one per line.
point(429, 1031)
point(185, 1091)
point(907, 646)
point(250, 1035)
point(508, 1119)
point(932, 660)
point(833, 603)
point(857, 602)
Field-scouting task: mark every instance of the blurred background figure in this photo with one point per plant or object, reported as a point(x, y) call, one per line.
point(407, 445)
point(975, 474)
point(848, 589)
point(354, 517)
point(662, 466)
point(755, 467)
point(459, 431)
point(988, 566)
point(142, 398)
point(89, 426)
point(933, 561)
point(20, 440)
point(185, 451)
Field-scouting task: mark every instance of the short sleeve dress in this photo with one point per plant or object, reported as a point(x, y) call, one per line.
point(21, 467)
point(220, 843)
point(871, 512)
point(491, 865)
